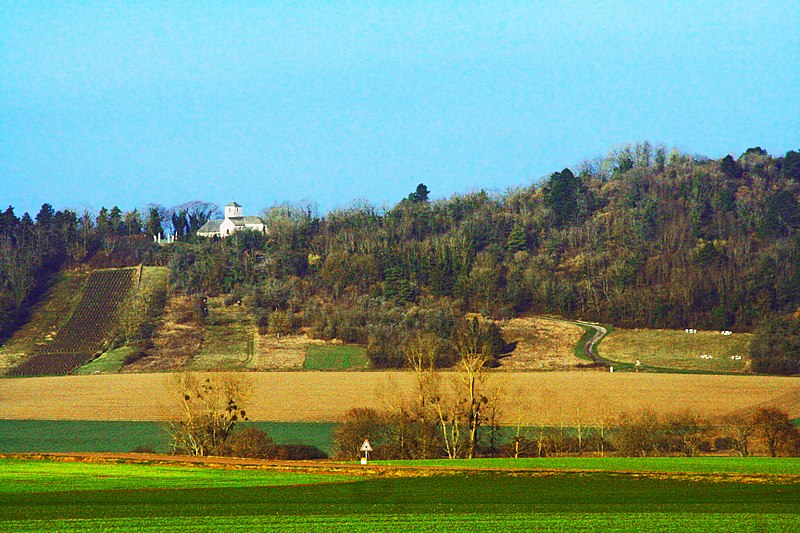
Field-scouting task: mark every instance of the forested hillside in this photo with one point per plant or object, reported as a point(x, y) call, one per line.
point(643, 237)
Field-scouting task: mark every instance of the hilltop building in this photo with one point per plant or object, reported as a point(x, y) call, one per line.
point(234, 221)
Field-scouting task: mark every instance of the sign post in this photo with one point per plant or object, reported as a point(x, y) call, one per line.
point(366, 448)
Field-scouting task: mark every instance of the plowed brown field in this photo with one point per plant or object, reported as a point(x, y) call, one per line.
point(542, 397)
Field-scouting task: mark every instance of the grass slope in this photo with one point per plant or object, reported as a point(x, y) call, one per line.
point(677, 350)
point(228, 338)
point(75, 496)
point(327, 357)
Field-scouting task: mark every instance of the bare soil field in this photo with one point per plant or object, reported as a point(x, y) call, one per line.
point(541, 344)
point(538, 397)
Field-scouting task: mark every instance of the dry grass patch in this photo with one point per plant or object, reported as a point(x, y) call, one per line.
point(176, 339)
point(282, 353)
point(541, 343)
point(677, 349)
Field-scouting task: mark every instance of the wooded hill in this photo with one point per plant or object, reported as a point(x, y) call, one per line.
point(642, 237)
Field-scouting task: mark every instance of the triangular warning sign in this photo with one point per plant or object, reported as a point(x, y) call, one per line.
point(366, 447)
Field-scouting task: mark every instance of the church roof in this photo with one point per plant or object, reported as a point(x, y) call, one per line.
point(212, 226)
point(245, 221)
point(233, 204)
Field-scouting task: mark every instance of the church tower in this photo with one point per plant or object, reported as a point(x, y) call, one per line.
point(233, 210)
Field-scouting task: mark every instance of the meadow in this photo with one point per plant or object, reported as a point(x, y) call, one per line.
point(45, 495)
point(676, 350)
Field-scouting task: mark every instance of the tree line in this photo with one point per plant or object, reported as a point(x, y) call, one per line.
point(399, 435)
point(459, 415)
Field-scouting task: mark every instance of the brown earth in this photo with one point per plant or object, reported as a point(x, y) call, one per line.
point(534, 397)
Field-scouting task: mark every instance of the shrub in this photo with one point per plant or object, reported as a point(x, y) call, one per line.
point(132, 358)
point(359, 424)
point(279, 323)
point(144, 448)
point(777, 431)
point(723, 444)
point(253, 443)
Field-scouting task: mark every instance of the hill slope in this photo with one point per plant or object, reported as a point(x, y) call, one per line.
point(51, 313)
point(90, 328)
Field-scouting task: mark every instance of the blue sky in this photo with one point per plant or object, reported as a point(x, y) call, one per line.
point(131, 103)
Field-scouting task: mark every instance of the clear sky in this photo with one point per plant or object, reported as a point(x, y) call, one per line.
point(136, 102)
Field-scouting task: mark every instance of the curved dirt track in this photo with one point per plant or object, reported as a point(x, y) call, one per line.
point(534, 397)
point(590, 348)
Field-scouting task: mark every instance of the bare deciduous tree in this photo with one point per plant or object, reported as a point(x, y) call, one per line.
point(740, 429)
point(419, 352)
point(463, 409)
point(688, 430)
point(774, 427)
point(211, 406)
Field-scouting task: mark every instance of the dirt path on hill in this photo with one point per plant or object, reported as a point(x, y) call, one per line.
point(590, 348)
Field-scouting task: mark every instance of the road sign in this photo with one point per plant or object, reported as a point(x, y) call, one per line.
point(366, 447)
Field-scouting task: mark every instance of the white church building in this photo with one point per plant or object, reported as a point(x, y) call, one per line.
point(234, 221)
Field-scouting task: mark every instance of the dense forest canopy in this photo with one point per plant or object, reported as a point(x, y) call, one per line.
point(642, 237)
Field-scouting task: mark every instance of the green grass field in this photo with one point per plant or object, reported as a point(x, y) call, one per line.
point(107, 363)
point(24, 436)
point(344, 357)
point(74, 496)
point(676, 350)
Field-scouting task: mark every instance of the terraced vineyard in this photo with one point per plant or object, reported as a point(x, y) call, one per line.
point(90, 328)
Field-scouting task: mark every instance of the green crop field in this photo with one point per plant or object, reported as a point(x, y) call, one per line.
point(73, 496)
point(32, 436)
point(698, 465)
point(345, 357)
